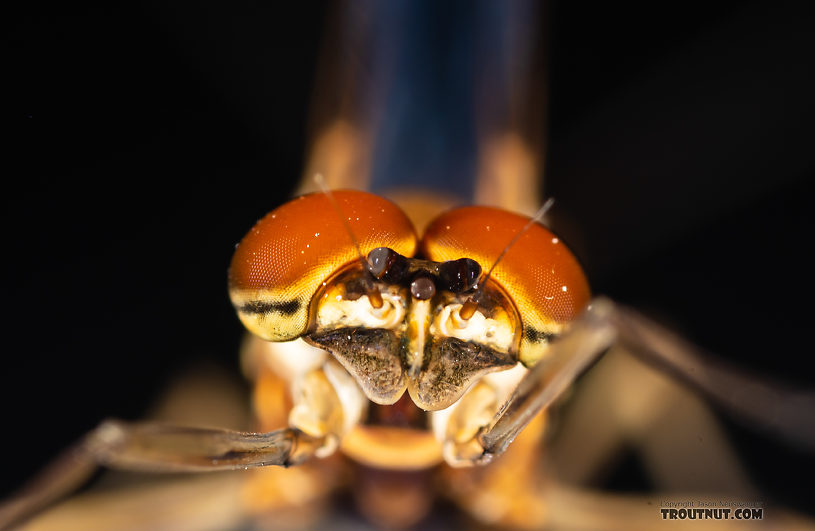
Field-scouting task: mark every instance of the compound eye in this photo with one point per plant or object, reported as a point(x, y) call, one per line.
point(539, 274)
point(287, 256)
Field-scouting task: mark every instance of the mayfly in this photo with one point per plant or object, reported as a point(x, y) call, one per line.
point(432, 332)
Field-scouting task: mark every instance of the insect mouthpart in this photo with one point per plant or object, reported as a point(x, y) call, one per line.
point(413, 345)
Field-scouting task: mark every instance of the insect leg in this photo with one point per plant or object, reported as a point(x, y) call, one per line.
point(772, 406)
point(781, 410)
point(156, 447)
point(566, 359)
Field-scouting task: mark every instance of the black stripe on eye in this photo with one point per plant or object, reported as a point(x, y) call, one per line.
point(286, 308)
point(536, 336)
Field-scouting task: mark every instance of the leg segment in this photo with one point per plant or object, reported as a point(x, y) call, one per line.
point(156, 447)
point(773, 406)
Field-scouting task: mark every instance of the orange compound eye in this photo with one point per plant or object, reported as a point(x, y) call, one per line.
point(284, 260)
point(538, 273)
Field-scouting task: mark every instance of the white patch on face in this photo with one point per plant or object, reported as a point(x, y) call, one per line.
point(419, 316)
point(342, 313)
point(439, 420)
point(291, 359)
point(503, 383)
point(478, 328)
point(351, 396)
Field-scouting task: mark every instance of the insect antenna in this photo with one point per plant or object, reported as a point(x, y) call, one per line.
point(373, 294)
point(468, 308)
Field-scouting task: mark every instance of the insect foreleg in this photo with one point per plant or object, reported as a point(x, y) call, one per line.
point(156, 447)
point(566, 359)
point(772, 406)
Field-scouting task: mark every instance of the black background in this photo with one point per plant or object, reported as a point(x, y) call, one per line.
point(144, 142)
